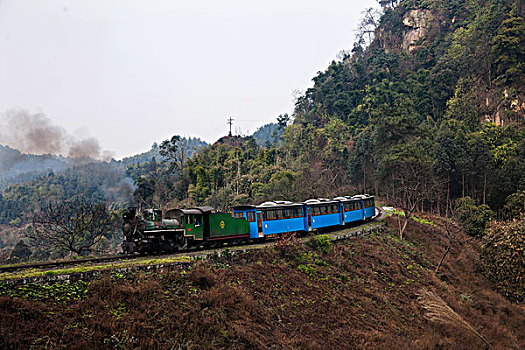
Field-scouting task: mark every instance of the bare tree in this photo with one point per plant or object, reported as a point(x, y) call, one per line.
point(412, 182)
point(451, 232)
point(387, 3)
point(75, 225)
point(367, 27)
point(175, 150)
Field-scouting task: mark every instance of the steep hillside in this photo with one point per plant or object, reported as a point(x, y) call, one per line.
point(440, 88)
point(362, 294)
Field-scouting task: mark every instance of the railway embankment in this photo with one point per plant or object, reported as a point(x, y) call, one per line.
point(315, 294)
point(89, 269)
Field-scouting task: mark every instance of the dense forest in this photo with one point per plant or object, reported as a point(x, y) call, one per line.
point(431, 97)
point(427, 108)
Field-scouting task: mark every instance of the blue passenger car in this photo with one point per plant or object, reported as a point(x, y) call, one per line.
point(351, 209)
point(368, 202)
point(272, 218)
point(322, 213)
point(280, 217)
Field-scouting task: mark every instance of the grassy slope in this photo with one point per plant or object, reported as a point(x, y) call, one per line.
point(361, 294)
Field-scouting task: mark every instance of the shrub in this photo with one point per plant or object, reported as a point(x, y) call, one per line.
point(515, 205)
point(21, 252)
point(504, 258)
point(202, 277)
point(321, 243)
point(288, 245)
point(473, 218)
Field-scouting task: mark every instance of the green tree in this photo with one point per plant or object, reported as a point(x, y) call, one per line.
point(508, 50)
point(21, 251)
point(473, 218)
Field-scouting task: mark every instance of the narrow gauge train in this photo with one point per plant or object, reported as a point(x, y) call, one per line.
point(181, 228)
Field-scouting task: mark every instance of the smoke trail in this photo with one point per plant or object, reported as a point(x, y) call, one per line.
point(35, 133)
point(31, 133)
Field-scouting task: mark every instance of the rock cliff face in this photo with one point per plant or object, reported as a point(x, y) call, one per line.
point(418, 23)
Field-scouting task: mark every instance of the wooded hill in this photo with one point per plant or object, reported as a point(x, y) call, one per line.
point(437, 97)
point(435, 102)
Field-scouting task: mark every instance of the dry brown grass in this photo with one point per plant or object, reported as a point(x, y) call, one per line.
point(437, 310)
point(362, 294)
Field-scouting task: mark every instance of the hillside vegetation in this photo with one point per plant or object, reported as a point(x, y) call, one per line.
point(435, 102)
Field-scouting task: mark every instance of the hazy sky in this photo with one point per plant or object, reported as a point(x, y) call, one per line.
point(133, 72)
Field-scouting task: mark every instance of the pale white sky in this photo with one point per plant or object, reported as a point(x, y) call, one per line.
point(132, 72)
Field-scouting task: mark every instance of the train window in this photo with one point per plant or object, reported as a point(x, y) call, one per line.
point(250, 215)
point(291, 213)
point(273, 214)
point(238, 215)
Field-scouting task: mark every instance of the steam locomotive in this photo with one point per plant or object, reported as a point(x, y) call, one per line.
point(153, 231)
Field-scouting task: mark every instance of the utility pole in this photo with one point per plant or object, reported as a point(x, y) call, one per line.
point(230, 121)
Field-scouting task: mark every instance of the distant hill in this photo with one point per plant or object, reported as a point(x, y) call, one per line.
point(268, 135)
point(16, 167)
point(192, 144)
point(27, 181)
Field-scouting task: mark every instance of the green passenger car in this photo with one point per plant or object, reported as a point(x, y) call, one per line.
point(224, 225)
point(202, 224)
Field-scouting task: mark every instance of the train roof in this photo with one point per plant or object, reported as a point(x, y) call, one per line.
point(268, 205)
point(274, 204)
point(192, 211)
point(361, 196)
point(244, 207)
point(319, 201)
point(345, 199)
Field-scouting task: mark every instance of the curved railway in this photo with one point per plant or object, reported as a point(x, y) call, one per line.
point(354, 231)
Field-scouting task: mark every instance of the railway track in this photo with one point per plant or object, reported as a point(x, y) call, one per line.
point(195, 251)
point(64, 263)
